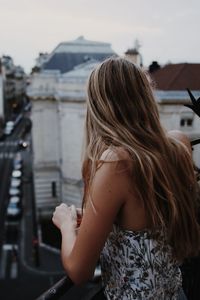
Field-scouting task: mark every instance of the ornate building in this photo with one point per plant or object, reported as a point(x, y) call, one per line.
point(134, 55)
point(13, 80)
point(58, 112)
point(58, 97)
point(1, 93)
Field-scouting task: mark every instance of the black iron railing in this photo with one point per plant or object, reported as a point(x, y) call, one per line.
point(57, 290)
point(65, 287)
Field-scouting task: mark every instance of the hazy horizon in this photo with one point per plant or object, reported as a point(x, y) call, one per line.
point(167, 31)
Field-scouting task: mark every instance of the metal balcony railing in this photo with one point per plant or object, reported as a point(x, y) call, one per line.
point(63, 288)
point(57, 290)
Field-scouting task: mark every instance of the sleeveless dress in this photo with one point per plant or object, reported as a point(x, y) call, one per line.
point(135, 266)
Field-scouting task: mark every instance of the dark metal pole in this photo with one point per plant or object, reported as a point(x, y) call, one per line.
point(57, 290)
point(35, 241)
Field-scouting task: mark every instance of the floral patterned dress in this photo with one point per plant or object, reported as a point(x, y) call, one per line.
point(135, 266)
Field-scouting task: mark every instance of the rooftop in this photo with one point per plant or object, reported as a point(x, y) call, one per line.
point(177, 77)
point(67, 55)
point(132, 51)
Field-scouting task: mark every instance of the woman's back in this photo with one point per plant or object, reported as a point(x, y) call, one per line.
point(136, 266)
point(132, 214)
point(152, 190)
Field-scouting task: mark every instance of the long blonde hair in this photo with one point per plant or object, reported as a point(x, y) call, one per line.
point(122, 112)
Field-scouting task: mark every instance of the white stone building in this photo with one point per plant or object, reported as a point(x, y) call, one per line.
point(1, 95)
point(171, 83)
point(58, 112)
point(71, 96)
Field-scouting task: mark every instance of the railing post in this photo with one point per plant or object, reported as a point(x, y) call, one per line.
point(57, 290)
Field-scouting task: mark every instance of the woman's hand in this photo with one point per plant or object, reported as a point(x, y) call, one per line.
point(65, 216)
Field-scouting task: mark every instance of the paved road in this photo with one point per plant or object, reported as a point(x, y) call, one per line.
point(8, 148)
point(27, 268)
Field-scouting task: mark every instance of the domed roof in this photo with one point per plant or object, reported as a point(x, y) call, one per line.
point(67, 55)
point(82, 70)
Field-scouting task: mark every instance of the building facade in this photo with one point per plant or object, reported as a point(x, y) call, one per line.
point(14, 86)
point(171, 82)
point(58, 113)
point(1, 94)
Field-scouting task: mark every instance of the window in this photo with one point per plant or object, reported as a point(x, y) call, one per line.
point(186, 119)
point(189, 122)
point(186, 122)
point(53, 189)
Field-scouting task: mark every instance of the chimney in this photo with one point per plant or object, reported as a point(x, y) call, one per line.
point(154, 67)
point(134, 55)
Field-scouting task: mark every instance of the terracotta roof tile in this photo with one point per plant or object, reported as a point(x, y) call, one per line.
point(177, 77)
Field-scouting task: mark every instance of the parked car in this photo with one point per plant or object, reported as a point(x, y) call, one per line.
point(14, 209)
point(14, 191)
point(16, 200)
point(7, 130)
point(15, 182)
point(18, 157)
point(10, 124)
point(16, 174)
point(9, 127)
point(17, 165)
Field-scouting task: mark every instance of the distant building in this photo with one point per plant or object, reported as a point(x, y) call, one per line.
point(58, 111)
point(58, 99)
point(42, 59)
point(171, 82)
point(69, 54)
point(134, 55)
point(14, 86)
point(1, 93)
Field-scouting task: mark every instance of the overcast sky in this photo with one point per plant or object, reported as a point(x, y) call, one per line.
point(167, 30)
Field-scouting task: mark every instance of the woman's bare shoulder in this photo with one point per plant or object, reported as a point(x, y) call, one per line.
point(117, 160)
point(181, 137)
point(115, 154)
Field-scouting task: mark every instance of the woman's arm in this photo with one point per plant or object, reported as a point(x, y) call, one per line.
point(65, 218)
point(107, 195)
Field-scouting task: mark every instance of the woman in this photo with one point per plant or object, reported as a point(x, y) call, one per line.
point(139, 199)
